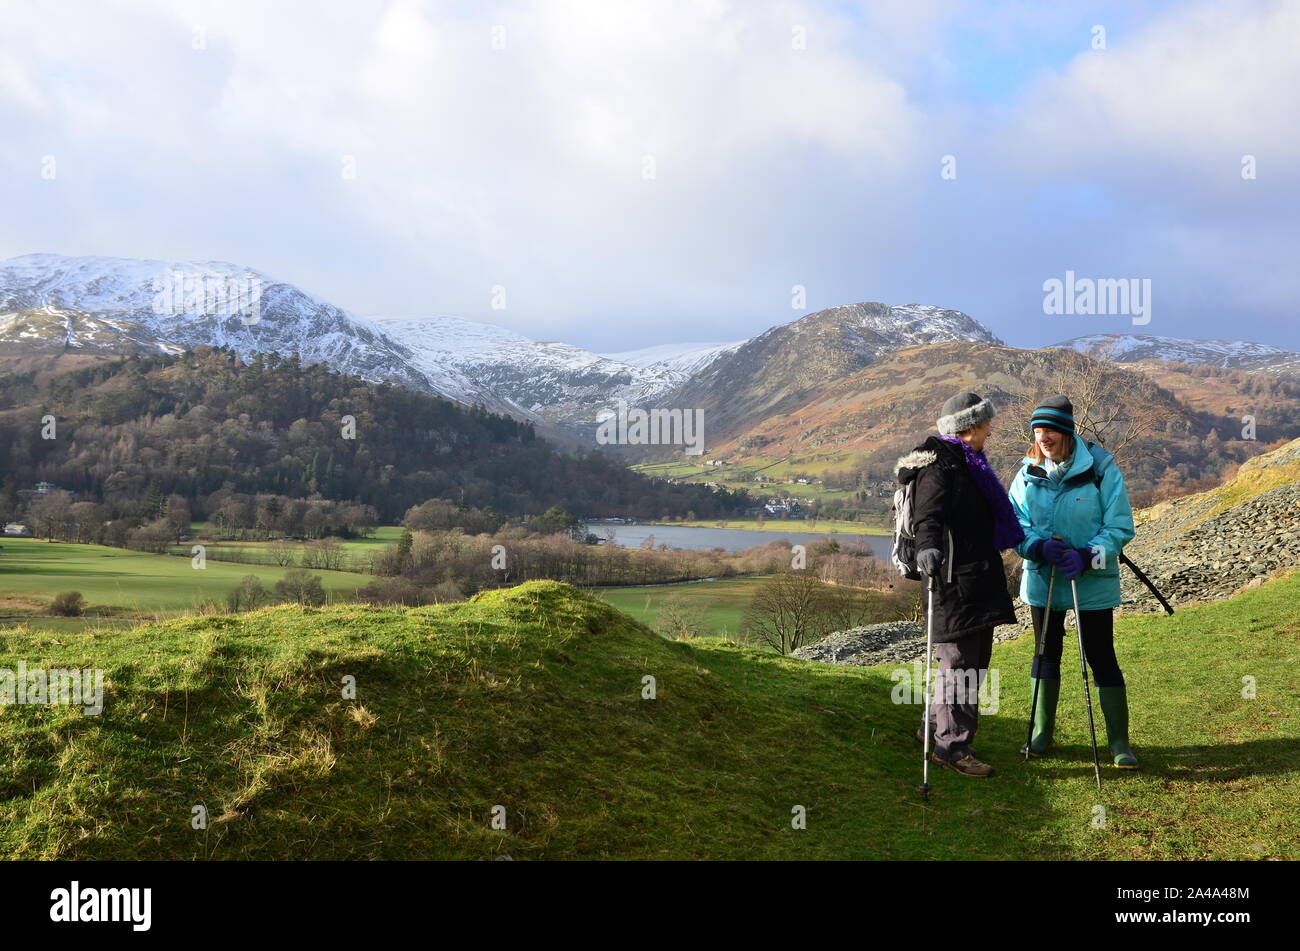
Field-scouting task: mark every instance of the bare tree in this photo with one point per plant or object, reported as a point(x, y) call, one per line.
point(677, 618)
point(788, 610)
point(51, 515)
point(324, 553)
point(330, 553)
point(851, 607)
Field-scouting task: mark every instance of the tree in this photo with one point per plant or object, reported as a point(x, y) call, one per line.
point(677, 618)
point(282, 553)
point(249, 595)
point(8, 495)
point(154, 500)
point(178, 516)
point(268, 515)
point(394, 591)
point(300, 586)
point(555, 521)
point(324, 553)
point(51, 515)
point(155, 537)
point(404, 549)
point(85, 518)
point(789, 610)
point(848, 607)
point(314, 520)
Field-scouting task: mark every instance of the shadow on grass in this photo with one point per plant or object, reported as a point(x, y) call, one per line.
point(1201, 763)
point(862, 752)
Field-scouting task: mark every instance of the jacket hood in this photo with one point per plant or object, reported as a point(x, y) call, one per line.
point(906, 467)
point(926, 454)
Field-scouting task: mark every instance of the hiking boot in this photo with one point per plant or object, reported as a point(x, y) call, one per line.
point(921, 739)
point(1044, 715)
point(968, 765)
point(1114, 707)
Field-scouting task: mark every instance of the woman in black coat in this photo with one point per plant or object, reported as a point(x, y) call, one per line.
point(962, 520)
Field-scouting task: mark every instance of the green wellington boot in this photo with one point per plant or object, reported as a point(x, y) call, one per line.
point(1044, 715)
point(1114, 706)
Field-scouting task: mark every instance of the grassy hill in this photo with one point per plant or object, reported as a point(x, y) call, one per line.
point(1208, 545)
point(531, 698)
point(1257, 475)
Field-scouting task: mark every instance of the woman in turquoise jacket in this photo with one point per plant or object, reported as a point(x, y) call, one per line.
point(1072, 504)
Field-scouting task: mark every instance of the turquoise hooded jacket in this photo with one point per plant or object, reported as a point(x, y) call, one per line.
point(1085, 515)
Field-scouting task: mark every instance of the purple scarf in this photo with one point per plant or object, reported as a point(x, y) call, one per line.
point(1007, 532)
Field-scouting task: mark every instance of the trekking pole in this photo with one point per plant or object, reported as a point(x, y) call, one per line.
point(925, 721)
point(1039, 637)
point(1142, 576)
point(1087, 694)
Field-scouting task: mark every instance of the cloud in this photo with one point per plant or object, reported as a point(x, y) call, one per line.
point(644, 172)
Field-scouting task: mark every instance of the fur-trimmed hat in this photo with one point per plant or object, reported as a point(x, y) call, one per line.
point(964, 411)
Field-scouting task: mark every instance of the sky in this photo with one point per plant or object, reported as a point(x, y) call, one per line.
point(622, 175)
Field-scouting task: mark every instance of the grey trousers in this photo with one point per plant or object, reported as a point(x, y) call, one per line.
point(954, 706)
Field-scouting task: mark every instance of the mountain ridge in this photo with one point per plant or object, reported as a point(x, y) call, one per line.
point(139, 290)
point(124, 305)
point(77, 309)
point(1133, 348)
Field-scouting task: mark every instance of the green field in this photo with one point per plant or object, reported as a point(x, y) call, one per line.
point(780, 474)
point(718, 605)
point(532, 699)
point(128, 583)
point(353, 547)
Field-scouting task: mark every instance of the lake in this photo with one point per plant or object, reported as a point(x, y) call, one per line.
point(730, 539)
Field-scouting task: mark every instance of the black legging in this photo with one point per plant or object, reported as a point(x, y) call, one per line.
point(1098, 646)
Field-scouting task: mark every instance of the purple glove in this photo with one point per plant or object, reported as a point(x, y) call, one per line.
point(1071, 564)
point(1055, 552)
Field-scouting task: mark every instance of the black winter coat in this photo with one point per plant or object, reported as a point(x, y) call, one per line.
point(950, 513)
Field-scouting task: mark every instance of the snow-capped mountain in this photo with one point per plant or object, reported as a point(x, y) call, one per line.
point(1131, 348)
point(51, 329)
point(860, 333)
point(686, 359)
point(100, 305)
point(554, 381)
point(193, 303)
point(907, 325)
point(777, 370)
